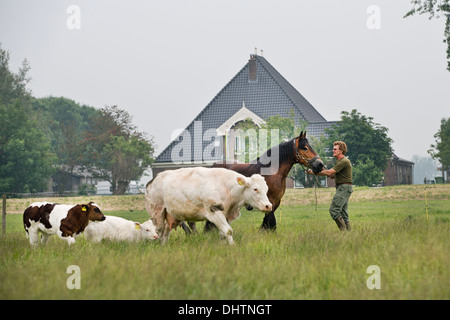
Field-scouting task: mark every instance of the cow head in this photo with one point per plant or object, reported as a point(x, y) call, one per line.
point(255, 193)
point(93, 212)
point(147, 229)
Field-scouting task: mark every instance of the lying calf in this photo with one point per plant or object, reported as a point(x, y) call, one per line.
point(66, 221)
point(115, 228)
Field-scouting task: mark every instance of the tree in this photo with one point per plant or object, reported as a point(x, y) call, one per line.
point(115, 150)
point(368, 144)
point(366, 173)
point(287, 127)
point(128, 160)
point(65, 124)
point(26, 160)
point(441, 150)
point(434, 8)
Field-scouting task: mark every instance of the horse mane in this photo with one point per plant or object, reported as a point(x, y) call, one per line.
point(286, 155)
point(284, 150)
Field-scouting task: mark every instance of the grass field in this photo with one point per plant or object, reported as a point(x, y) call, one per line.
point(306, 258)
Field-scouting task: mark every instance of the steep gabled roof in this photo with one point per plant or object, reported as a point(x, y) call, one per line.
point(263, 90)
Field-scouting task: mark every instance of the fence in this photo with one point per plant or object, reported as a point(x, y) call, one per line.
point(4, 214)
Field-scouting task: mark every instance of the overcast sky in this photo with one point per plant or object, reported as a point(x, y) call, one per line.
point(164, 61)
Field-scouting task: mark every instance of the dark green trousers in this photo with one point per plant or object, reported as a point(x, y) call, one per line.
point(339, 205)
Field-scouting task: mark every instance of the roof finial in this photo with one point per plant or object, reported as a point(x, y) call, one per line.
point(256, 51)
point(262, 53)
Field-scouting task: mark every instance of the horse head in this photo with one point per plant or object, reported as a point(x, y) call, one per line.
point(306, 155)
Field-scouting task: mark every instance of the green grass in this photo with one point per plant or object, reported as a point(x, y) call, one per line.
point(306, 258)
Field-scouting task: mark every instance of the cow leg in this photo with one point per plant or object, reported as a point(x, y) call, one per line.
point(170, 223)
point(44, 238)
point(221, 223)
point(158, 219)
point(33, 234)
point(165, 235)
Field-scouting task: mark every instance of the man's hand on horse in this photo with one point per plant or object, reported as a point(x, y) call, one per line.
point(330, 173)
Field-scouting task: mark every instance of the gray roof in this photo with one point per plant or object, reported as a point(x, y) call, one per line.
point(316, 129)
point(267, 95)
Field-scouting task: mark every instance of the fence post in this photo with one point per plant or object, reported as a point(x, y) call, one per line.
point(4, 215)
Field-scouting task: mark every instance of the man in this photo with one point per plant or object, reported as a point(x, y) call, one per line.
point(342, 172)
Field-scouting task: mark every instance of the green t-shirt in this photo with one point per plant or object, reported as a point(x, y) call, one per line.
point(343, 170)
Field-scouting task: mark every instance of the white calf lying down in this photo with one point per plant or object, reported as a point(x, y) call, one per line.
point(195, 194)
point(67, 221)
point(116, 228)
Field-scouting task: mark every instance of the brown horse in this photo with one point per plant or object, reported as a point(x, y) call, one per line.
point(296, 150)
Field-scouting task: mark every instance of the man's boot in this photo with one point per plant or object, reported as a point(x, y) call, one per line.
point(347, 224)
point(340, 223)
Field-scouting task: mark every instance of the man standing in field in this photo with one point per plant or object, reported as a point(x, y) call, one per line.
point(342, 172)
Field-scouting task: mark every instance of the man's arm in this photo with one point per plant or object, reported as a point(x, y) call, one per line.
point(329, 173)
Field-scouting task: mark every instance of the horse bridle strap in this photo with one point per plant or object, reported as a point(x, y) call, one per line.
point(300, 157)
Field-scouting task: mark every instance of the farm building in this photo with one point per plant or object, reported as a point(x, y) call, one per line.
point(65, 181)
point(398, 171)
point(257, 92)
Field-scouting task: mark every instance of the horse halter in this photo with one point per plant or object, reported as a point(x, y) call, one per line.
point(299, 157)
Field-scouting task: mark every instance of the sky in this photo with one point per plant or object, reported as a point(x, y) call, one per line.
point(164, 61)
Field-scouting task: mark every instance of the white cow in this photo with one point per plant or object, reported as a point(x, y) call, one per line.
point(116, 228)
point(195, 194)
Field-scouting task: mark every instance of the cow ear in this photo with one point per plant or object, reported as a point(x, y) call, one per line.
point(241, 181)
point(137, 226)
point(84, 207)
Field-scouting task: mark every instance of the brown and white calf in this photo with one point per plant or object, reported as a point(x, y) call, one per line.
point(66, 221)
point(195, 194)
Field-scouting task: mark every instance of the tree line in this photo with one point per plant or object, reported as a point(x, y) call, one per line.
point(40, 137)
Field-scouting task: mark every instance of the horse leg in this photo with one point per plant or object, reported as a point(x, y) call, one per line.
point(193, 227)
point(185, 228)
point(269, 222)
point(209, 226)
point(189, 227)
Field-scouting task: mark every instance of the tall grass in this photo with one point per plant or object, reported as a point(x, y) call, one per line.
point(306, 258)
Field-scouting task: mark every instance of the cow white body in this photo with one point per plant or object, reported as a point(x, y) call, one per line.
point(195, 194)
point(49, 223)
point(57, 214)
point(119, 229)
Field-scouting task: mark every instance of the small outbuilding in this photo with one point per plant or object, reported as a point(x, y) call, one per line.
point(398, 171)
